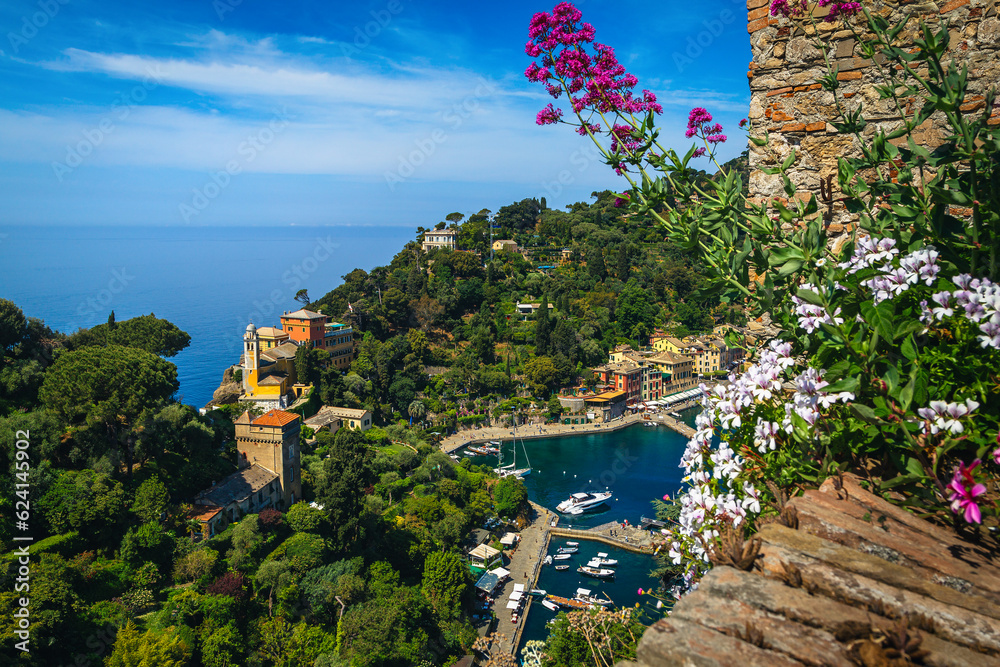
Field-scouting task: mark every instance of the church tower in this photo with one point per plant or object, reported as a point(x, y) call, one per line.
point(251, 359)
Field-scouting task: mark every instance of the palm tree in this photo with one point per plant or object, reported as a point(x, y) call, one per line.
point(417, 409)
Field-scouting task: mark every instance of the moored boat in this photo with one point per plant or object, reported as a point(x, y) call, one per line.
point(584, 595)
point(537, 592)
point(562, 557)
point(603, 559)
point(562, 567)
point(567, 550)
point(550, 605)
point(572, 544)
point(567, 603)
point(578, 503)
point(596, 572)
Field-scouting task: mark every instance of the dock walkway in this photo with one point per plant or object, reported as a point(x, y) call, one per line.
point(524, 567)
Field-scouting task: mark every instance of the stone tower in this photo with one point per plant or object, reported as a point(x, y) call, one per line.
point(251, 359)
point(272, 441)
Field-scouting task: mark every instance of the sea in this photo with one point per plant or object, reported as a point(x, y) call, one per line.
point(209, 281)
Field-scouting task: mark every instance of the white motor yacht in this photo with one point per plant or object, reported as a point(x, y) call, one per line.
point(578, 503)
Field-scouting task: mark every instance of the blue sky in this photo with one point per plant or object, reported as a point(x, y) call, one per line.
point(390, 112)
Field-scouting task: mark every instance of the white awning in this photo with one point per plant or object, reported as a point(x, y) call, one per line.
point(500, 572)
point(513, 604)
point(484, 552)
point(508, 539)
point(516, 595)
point(519, 587)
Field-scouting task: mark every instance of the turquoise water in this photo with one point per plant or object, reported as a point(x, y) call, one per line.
point(636, 464)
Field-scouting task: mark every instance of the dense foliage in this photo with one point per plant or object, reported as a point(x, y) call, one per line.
point(889, 339)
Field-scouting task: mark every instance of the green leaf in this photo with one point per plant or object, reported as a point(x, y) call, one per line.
point(810, 296)
point(914, 467)
point(909, 348)
point(863, 412)
point(878, 317)
point(847, 384)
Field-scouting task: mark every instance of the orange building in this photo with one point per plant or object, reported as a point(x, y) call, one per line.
point(316, 330)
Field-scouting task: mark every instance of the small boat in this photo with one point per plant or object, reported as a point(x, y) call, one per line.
point(548, 560)
point(596, 572)
point(562, 567)
point(568, 603)
point(603, 559)
point(537, 593)
point(454, 456)
point(567, 550)
point(572, 544)
point(649, 423)
point(578, 503)
point(468, 453)
point(550, 605)
point(562, 557)
point(477, 450)
point(583, 595)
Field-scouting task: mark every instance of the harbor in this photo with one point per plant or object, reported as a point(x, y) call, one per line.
point(661, 415)
point(634, 464)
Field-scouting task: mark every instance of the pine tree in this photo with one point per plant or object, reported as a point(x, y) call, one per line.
point(543, 328)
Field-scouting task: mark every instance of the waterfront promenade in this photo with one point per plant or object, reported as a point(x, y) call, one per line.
point(535, 431)
point(527, 560)
point(524, 565)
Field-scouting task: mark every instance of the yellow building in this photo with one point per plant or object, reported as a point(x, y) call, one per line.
point(271, 337)
point(505, 245)
point(268, 376)
point(677, 371)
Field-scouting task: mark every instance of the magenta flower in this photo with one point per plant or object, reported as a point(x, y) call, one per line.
point(548, 115)
point(699, 152)
point(838, 9)
point(640, 591)
point(996, 456)
point(593, 77)
point(743, 123)
point(963, 491)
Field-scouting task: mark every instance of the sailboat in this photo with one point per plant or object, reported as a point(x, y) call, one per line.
point(511, 468)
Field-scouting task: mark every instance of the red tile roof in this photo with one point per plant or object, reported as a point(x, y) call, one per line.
point(275, 418)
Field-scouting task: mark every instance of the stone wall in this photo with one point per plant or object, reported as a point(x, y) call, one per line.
point(787, 101)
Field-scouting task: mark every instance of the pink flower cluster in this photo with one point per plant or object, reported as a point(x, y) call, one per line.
point(798, 8)
point(963, 491)
point(593, 80)
point(700, 125)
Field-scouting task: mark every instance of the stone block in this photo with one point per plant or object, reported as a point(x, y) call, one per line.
point(779, 91)
point(794, 127)
point(845, 48)
point(755, 14)
point(848, 76)
point(989, 31)
point(676, 643)
point(754, 26)
point(953, 5)
point(830, 570)
point(754, 4)
point(818, 126)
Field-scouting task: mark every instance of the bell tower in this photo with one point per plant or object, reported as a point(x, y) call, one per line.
point(251, 359)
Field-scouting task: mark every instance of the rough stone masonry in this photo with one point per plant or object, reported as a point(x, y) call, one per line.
point(790, 105)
